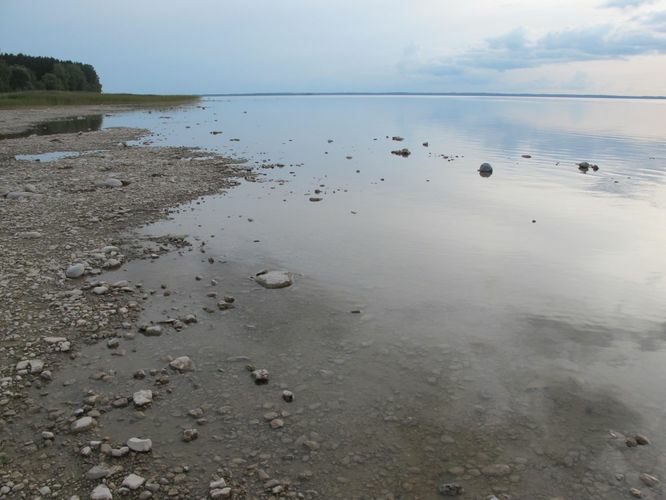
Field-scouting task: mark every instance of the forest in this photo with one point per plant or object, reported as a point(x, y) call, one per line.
point(20, 72)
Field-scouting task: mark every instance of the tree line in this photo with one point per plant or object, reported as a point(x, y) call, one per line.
point(19, 72)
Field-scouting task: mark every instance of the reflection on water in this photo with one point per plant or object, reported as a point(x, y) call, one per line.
point(61, 126)
point(511, 328)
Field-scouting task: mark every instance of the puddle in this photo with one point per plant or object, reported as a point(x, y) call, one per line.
point(62, 126)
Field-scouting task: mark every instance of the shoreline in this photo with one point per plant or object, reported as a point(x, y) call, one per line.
point(82, 210)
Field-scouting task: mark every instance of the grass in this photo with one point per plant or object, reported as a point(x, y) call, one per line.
point(36, 99)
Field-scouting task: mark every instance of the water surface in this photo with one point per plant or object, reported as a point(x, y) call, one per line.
point(516, 319)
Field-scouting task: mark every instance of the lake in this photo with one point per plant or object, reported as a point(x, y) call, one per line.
point(505, 333)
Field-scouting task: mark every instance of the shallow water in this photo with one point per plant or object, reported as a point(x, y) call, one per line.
point(516, 319)
point(60, 126)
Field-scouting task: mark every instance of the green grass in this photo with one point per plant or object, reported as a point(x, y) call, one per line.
point(36, 99)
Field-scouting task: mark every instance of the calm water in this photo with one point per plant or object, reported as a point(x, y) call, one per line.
point(517, 319)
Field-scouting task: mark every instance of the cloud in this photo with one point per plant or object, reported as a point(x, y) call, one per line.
point(626, 4)
point(655, 21)
point(515, 50)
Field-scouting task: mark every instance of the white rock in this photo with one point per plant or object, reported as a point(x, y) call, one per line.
point(54, 340)
point(139, 445)
point(75, 271)
point(143, 398)
point(133, 482)
point(100, 290)
point(102, 492)
point(274, 279)
point(214, 485)
point(109, 182)
point(182, 364)
point(221, 493)
point(83, 424)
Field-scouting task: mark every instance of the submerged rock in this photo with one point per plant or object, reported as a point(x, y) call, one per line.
point(450, 489)
point(182, 364)
point(274, 279)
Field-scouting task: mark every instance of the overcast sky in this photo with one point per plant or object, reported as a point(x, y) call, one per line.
point(218, 46)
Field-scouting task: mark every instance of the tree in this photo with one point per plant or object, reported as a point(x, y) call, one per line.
point(23, 72)
point(20, 78)
point(4, 77)
point(51, 82)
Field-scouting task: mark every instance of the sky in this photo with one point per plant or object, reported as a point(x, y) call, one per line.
point(244, 46)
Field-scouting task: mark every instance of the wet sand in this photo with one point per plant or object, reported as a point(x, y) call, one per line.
point(376, 412)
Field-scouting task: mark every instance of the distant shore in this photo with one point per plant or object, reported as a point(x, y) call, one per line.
point(35, 99)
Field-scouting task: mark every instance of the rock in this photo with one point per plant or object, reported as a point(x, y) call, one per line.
point(636, 493)
point(649, 480)
point(29, 235)
point(288, 396)
point(100, 290)
point(277, 423)
point(83, 424)
point(630, 442)
point(220, 483)
point(109, 182)
point(315, 199)
point(497, 470)
point(404, 152)
point(99, 472)
point(260, 376)
point(75, 271)
point(397, 138)
point(450, 489)
point(46, 435)
point(139, 445)
point(190, 435)
point(133, 482)
point(101, 492)
point(142, 398)
point(223, 305)
point(220, 493)
point(153, 331)
point(182, 364)
point(274, 279)
point(425, 144)
point(33, 366)
point(486, 168)
point(641, 440)
point(583, 165)
point(112, 343)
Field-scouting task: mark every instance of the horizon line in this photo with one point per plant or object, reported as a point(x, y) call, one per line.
point(450, 94)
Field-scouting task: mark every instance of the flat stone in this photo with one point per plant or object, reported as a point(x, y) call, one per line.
point(139, 445)
point(83, 424)
point(220, 493)
point(274, 279)
point(496, 470)
point(133, 482)
point(99, 472)
point(143, 397)
point(100, 290)
point(109, 182)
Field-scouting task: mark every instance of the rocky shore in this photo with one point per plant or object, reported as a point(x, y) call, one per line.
point(63, 223)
